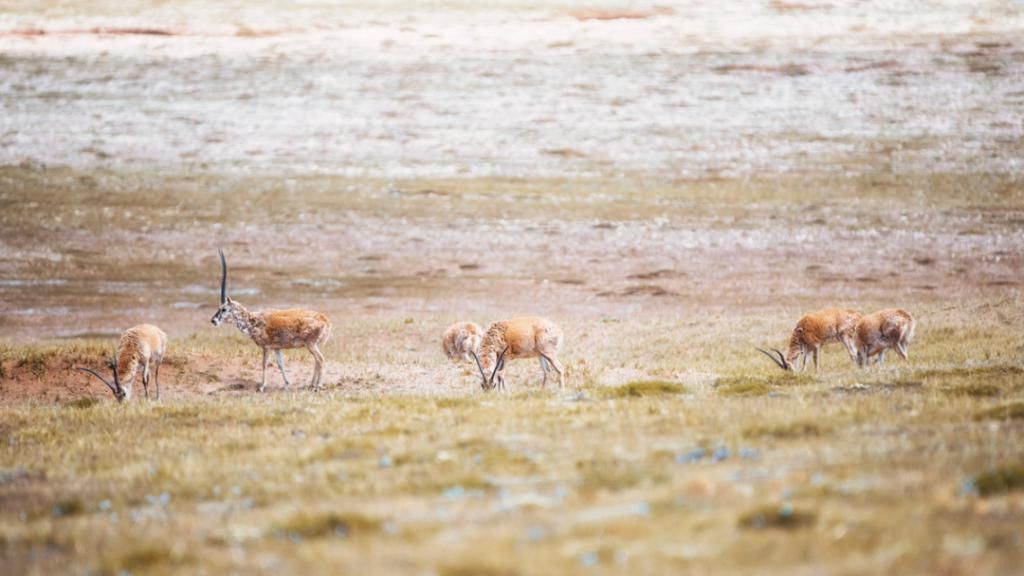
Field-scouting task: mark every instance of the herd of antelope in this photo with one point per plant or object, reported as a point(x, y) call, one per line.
point(863, 336)
point(142, 348)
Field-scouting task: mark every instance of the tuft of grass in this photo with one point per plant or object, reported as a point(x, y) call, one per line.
point(741, 387)
point(787, 430)
point(1011, 411)
point(83, 403)
point(783, 516)
point(142, 559)
point(309, 525)
point(180, 414)
point(476, 569)
point(1002, 371)
point(642, 388)
point(1000, 480)
point(611, 476)
point(453, 402)
point(974, 390)
point(69, 507)
point(33, 360)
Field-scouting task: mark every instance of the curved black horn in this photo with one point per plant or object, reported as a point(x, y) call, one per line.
point(781, 364)
point(223, 277)
point(112, 387)
point(113, 368)
point(498, 365)
point(478, 365)
point(782, 359)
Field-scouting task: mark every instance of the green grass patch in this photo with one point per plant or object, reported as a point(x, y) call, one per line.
point(643, 388)
point(1000, 480)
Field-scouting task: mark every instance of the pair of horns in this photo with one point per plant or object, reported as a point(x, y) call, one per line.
point(115, 387)
point(497, 366)
point(780, 361)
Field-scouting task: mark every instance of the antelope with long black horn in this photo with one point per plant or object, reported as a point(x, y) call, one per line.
point(528, 337)
point(119, 393)
point(276, 329)
point(813, 332)
point(141, 348)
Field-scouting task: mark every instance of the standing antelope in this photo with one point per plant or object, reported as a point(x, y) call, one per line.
point(878, 332)
point(140, 346)
point(276, 329)
point(527, 337)
point(813, 331)
point(461, 341)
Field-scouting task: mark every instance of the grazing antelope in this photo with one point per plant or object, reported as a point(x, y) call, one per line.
point(527, 337)
point(140, 347)
point(878, 332)
point(276, 329)
point(813, 331)
point(461, 341)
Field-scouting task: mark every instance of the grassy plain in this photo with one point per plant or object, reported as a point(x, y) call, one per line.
point(673, 185)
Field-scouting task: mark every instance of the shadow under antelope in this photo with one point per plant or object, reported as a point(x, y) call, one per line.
point(276, 329)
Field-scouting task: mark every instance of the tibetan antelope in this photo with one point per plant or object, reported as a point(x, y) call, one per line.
point(461, 341)
point(276, 329)
point(140, 347)
point(878, 332)
point(528, 337)
point(813, 331)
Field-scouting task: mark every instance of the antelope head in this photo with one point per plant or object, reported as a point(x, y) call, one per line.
point(780, 361)
point(226, 305)
point(487, 383)
point(120, 393)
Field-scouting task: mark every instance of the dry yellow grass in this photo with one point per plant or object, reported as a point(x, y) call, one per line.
point(878, 471)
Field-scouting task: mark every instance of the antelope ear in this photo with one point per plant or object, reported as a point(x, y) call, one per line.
point(228, 299)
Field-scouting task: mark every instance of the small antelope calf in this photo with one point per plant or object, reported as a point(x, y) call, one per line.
point(140, 347)
point(527, 337)
point(461, 341)
point(276, 329)
point(815, 330)
point(875, 333)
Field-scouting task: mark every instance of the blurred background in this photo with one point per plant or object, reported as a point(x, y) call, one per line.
point(491, 157)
